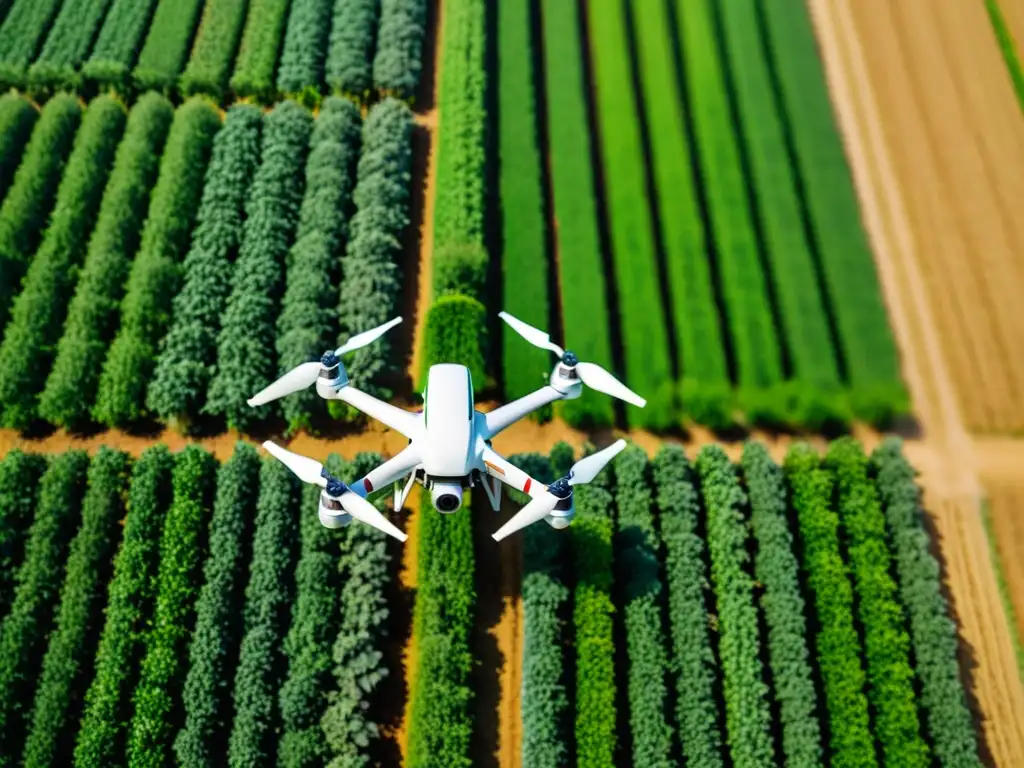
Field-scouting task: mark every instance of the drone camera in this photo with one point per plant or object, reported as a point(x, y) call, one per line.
point(446, 496)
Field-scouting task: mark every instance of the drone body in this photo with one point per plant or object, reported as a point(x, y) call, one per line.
point(449, 440)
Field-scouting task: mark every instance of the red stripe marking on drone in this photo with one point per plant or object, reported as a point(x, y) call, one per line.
point(367, 484)
point(526, 488)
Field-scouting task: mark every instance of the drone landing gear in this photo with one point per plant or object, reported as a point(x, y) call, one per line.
point(492, 488)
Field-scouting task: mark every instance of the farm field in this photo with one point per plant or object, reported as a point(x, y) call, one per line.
point(753, 214)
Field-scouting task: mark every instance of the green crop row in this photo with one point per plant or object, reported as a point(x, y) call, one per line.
point(21, 36)
point(350, 50)
point(305, 47)
point(213, 53)
point(93, 311)
point(399, 56)
point(168, 40)
point(67, 44)
point(245, 347)
point(307, 325)
point(188, 353)
point(19, 479)
point(110, 63)
point(17, 119)
point(257, 55)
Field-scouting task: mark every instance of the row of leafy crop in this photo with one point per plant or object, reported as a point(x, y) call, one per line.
point(260, 49)
point(263, 651)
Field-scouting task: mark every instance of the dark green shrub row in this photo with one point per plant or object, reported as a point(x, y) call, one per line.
point(932, 630)
point(67, 44)
point(399, 58)
point(866, 342)
point(456, 332)
point(307, 325)
point(268, 596)
point(371, 281)
point(19, 491)
point(21, 35)
point(214, 646)
point(350, 52)
point(694, 667)
point(93, 312)
point(167, 45)
point(130, 599)
point(72, 645)
point(646, 357)
point(37, 316)
point(637, 548)
point(188, 353)
point(581, 271)
point(27, 205)
point(155, 275)
point(305, 47)
point(836, 645)
point(120, 38)
point(213, 53)
point(777, 571)
point(245, 347)
point(524, 258)
point(441, 714)
point(25, 629)
point(886, 644)
point(359, 668)
point(591, 544)
point(157, 696)
point(257, 57)
point(17, 118)
point(745, 292)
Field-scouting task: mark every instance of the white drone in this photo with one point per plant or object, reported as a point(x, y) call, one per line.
point(449, 442)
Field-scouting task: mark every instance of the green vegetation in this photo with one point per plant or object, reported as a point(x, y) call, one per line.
point(168, 42)
point(93, 312)
point(399, 58)
point(455, 333)
point(17, 119)
point(257, 56)
point(19, 492)
point(305, 47)
point(350, 52)
point(213, 53)
point(119, 40)
point(1009, 48)
point(21, 35)
point(67, 43)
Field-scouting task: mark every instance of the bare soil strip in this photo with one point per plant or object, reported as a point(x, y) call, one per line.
point(1006, 506)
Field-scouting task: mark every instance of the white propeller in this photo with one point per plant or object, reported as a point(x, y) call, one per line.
point(312, 471)
point(594, 376)
point(582, 472)
point(305, 375)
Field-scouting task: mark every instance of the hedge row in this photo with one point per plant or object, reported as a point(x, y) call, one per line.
point(155, 274)
point(371, 281)
point(130, 598)
point(268, 595)
point(836, 645)
point(213, 651)
point(745, 291)
point(120, 37)
point(363, 571)
point(72, 645)
point(747, 714)
point(167, 45)
point(17, 119)
point(441, 713)
point(866, 342)
point(213, 53)
point(590, 537)
point(39, 311)
point(307, 325)
point(25, 629)
point(886, 644)
point(305, 47)
point(19, 492)
point(705, 391)
point(188, 354)
point(816, 396)
point(647, 362)
point(933, 633)
point(456, 332)
point(93, 311)
point(245, 347)
point(581, 270)
point(695, 670)
point(399, 58)
point(782, 604)
point(257, 56)
point(157, 696)
point(67, 44)
point(637, 546)
point(21, 35)
point(27, 204)
point(350, 51)
point(524, 258)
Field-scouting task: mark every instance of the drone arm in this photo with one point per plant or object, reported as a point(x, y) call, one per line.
point(501, 468)
point(508, 414)
point(403, 422)
point(396, 467)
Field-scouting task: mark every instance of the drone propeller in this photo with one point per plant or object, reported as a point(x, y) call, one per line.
point(594, 376)
point(313, 472)
point(305, 375)
point(582, 472)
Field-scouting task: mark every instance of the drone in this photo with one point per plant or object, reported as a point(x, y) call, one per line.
point(449, 441)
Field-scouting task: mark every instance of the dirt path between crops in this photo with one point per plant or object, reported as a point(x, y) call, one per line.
point(873, 70)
